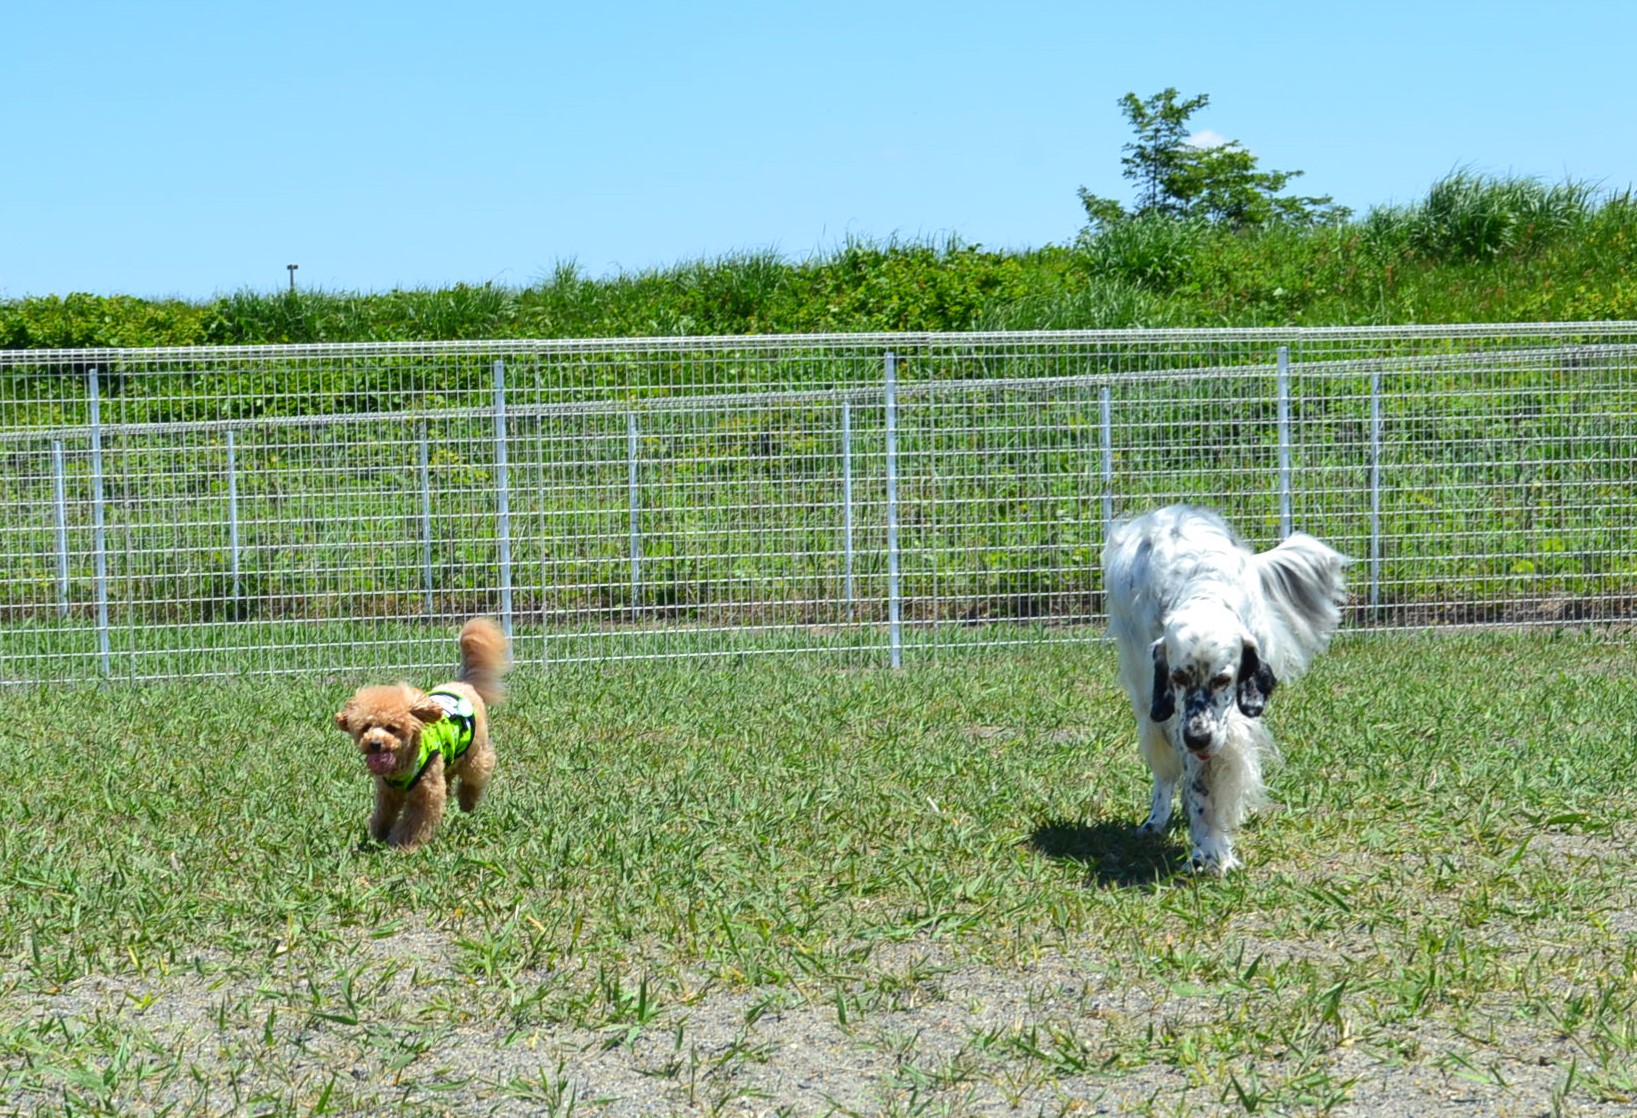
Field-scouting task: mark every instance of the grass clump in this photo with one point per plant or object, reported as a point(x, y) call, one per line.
point(1153, 252)
point(1466, 216)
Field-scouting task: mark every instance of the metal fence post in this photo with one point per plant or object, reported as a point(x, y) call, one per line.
point(1285, 523)
point(424, 461)
point(895, 620)
point(59, 495)
point(1375, 489)
point(233, 518)
point(847, 502)
point(503, 517)
point(99, 523)
point(1105, 423)
point(635, 509)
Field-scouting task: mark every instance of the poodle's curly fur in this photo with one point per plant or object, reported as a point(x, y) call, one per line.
point(386, 721)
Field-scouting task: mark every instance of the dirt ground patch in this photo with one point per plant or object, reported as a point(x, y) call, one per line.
point(927, 1031)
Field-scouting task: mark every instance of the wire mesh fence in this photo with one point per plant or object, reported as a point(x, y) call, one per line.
point(278, 509)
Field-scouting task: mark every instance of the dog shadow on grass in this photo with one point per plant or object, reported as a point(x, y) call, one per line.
point(1112, 851)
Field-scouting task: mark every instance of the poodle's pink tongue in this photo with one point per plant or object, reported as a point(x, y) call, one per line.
point(380, 763)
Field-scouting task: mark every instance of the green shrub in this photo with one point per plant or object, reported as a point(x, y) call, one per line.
point(81, 321)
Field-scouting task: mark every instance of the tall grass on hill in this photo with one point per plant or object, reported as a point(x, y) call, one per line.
point(1470, 217)
point(1153, 251)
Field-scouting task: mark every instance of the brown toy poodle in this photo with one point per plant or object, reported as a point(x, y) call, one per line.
point(418, 744)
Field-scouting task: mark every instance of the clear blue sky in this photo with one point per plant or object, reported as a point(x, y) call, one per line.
point(194, 149)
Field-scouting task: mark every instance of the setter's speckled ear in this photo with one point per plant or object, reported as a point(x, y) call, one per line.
point(1163, 704)
point(1256, 683)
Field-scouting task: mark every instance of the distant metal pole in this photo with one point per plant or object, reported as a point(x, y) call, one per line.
point(233, 517)
point(636, 509)
point(503, 517)
point(424, 460)
point(1105, 421)
point(99, 528)
point(59, 493)
point(895, 626)
point(292, 268)
point(1285, 523)
point(1375, 489)
point(847, 499)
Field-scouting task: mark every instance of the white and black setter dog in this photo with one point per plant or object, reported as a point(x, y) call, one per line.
point(1206, 628)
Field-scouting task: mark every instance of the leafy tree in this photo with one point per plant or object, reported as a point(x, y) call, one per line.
point(1177, 178)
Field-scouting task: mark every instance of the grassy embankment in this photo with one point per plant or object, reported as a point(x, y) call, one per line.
point(1474, 250)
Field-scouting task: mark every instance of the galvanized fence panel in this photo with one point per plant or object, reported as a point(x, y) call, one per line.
point(880, 497)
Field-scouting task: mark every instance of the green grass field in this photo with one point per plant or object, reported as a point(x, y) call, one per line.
point(783, 886)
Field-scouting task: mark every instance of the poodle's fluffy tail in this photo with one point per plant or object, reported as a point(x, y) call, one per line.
point(485, 656)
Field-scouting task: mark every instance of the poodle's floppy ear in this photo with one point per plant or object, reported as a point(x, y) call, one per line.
point(426, 710)
point(341, 719)
point(1164, 704)
point(1256, 682)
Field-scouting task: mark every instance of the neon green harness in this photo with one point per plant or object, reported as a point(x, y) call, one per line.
point(450, 736)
